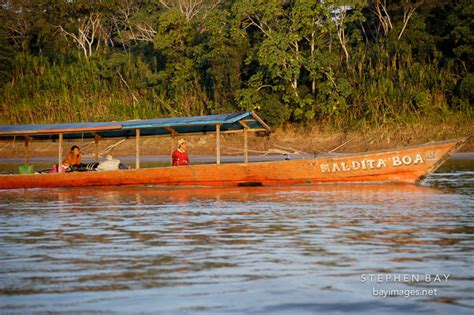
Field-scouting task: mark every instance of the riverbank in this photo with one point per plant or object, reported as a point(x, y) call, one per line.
point(290, 139)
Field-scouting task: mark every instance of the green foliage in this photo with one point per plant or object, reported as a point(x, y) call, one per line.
point(461, 21)
point(7, 57)
point(291, 60)
point(219, 56)
point(264, 101)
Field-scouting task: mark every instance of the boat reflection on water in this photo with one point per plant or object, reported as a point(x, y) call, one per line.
point(117, 195)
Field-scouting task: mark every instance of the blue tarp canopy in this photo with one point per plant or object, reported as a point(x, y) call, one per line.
point(150, 127)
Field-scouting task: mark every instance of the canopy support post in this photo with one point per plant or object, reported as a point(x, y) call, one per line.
point(173, 134)
point(137, 145)
point(27, 151)
point(218, 144)
point(60, 154)
point(171, 144)
point(246, 149)
point(96, 140)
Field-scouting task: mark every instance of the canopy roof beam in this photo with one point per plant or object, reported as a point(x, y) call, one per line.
point(200, 133)
point(171, 131)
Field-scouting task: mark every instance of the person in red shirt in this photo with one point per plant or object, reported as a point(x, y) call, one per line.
point(180, 156)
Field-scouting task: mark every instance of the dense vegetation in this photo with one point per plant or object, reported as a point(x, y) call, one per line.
point(346, 62)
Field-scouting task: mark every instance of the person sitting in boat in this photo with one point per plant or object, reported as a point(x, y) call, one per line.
point(180, 156)
point(72, 158)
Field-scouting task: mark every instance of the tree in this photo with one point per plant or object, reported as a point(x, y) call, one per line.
point(86, 24)
point(87, 34)
point(277, 50)
point(7, 58)
point(19, 23)
point(219, 56)
point(388, 12)
point(314, 21)
point(136, 21)
point(191, 8)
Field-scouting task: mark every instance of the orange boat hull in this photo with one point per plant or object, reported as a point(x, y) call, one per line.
point(404, 165)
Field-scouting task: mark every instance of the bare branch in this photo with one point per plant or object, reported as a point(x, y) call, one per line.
point(407, 13)
point(191, 8)
point(380, 10)
point(259, 25)
point(88, 33)
point(340, 20)
point(143, 32)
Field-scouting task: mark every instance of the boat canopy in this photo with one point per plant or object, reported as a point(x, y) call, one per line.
point(227, 123)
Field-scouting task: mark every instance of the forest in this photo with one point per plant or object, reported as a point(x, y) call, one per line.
point(339, 62)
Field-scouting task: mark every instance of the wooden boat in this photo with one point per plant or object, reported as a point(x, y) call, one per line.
point(402, 165)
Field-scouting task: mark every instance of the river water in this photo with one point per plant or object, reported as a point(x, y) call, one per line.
point(382, 249)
